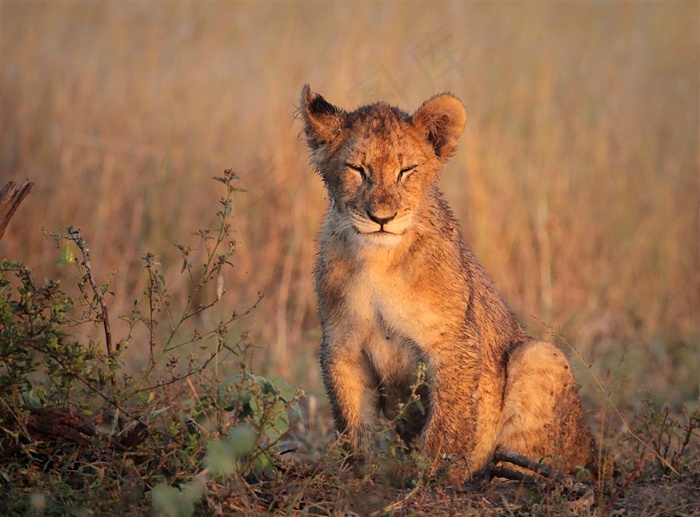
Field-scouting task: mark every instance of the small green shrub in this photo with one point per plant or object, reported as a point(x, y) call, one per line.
point(32, 325)
point(66, 393)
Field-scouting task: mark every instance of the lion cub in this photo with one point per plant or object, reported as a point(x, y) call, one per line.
point(398, 286)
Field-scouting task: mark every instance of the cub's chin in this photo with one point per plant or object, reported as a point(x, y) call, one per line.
point(379, 239)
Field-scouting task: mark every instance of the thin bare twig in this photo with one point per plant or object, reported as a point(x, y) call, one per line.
point(104, 315)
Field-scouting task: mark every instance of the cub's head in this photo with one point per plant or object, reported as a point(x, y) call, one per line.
point(378, 162)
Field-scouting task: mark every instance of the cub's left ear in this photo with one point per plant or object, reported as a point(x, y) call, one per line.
point(322, 120)
point(441, 119)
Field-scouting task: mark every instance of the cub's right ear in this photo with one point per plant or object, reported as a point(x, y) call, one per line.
point(441, 119)
point(322, 120)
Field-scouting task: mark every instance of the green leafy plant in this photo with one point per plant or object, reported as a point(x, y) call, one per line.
point(32, 325)
point(67, 389)
point(169, 501)
point(263, 404)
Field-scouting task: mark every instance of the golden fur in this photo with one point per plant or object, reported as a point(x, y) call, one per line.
point(397, 286)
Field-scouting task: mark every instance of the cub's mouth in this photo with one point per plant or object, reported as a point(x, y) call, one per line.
point(379, 233)
point(385, 234)
point(374, 227)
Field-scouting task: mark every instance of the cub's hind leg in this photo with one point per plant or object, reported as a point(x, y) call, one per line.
point(542, 417)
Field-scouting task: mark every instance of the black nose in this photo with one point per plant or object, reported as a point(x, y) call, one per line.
point(381, 221)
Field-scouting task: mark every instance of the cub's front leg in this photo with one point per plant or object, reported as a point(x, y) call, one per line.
point(453, 438)
point(352, 393)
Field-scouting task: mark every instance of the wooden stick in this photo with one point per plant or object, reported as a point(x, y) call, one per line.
point(10, 197)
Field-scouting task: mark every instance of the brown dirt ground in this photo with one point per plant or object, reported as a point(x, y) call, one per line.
point(311, 490)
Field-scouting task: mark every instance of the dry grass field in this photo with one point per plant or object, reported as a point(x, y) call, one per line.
point(577, 180)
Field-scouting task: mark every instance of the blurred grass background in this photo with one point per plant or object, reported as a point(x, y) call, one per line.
point(577, 179)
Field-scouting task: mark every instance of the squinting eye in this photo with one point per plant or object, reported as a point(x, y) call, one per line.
point(403, 173)
point(357, 168)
